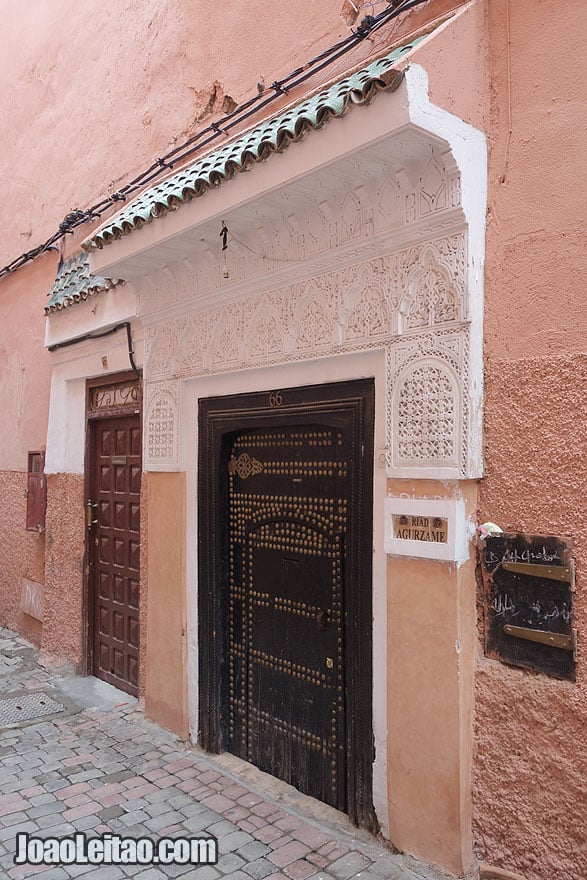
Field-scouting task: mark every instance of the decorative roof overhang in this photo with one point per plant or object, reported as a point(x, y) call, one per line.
point(74, 283)
point(255, 146)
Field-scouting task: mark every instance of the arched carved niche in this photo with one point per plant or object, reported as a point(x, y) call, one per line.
point(427, 411)
point(431, 297)
point(161, 441)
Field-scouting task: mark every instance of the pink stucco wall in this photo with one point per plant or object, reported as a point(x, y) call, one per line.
point(97, 91)
point(531, 764)
point(63, 624)
point(93, 92)
point(24, 403)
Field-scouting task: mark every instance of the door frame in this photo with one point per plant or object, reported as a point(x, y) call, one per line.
point(351, 403)
point(105, 412)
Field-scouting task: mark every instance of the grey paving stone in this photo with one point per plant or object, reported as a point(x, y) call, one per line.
point(118, 776)
point(348, 865)
point(196, 809)
point(157, 809)
point(79, 870)
point(176, 870)
point(53, 784)
point(108, 872)
point(58, 873)
point(229, 862)
point(8, 835)
point(41, 799)
point(252, 851)
point(179, 800)
point(222, 828)
point(386, 867)
point(205, 872)
point(48, 809)
point(14, 819)
point(158, 822)
point(50, 820)
point(230, 842)
point(85, 775)
point(239, 875)
point(368, 875)
point(110, 813)
point(135, 817)
point(86, 823)
point(61, 830)
point(259, 869)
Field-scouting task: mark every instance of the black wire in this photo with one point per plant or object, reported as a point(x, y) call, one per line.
point(215, 130)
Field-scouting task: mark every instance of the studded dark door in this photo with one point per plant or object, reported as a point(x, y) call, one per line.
point(114, 549)
point(287, 507)
point(294, 586)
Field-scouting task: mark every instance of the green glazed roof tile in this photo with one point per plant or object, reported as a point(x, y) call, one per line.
point(75, 283)
point(254, 146)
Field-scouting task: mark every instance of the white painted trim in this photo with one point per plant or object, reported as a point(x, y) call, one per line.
point(456, 548)
point(468, 146)
point(93, 315)
point(340, 369)
point(66, 431)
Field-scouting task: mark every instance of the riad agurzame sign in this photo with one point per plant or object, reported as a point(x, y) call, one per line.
point(420, 528)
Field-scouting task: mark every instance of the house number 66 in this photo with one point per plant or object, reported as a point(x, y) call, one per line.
point(275, 399)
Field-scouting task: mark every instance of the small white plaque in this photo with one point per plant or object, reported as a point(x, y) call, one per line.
point(431, 529)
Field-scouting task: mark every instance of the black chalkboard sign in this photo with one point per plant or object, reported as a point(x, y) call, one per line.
point(528, 585)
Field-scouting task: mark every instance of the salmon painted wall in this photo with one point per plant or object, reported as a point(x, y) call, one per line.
point(24, 404)
point(531, 761)
point(92, 94)
point(147, 74)
point(431, 646)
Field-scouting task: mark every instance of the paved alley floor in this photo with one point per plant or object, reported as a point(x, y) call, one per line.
point(78, 756)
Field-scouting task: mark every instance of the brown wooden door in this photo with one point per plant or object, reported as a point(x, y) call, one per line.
point(288, 500)
point(285, 513)
point(114, 550)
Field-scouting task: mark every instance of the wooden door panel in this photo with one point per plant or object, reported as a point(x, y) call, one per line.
point(285, 537)
point(114, 545)
point(288, 491)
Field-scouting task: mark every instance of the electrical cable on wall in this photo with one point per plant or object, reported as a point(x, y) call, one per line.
point(262, 98)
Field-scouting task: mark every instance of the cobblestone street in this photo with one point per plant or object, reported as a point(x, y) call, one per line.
point(74, 760)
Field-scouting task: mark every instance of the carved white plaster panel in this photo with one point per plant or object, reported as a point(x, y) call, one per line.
point(361, 219)
point(192, 350)
point(412, 303)
point(427, 404)
point(161, 349)
point(368, 296)
point(433, 189)
point(426, 417)
point(354, 308)
point(431, 298)
point(161, 440)
point(314, 322)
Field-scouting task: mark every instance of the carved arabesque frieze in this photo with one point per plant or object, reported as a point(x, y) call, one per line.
point(431, 297)
point(354, 308)
point(410, 303)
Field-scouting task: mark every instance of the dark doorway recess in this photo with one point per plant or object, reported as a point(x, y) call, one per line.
point(285, 546)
